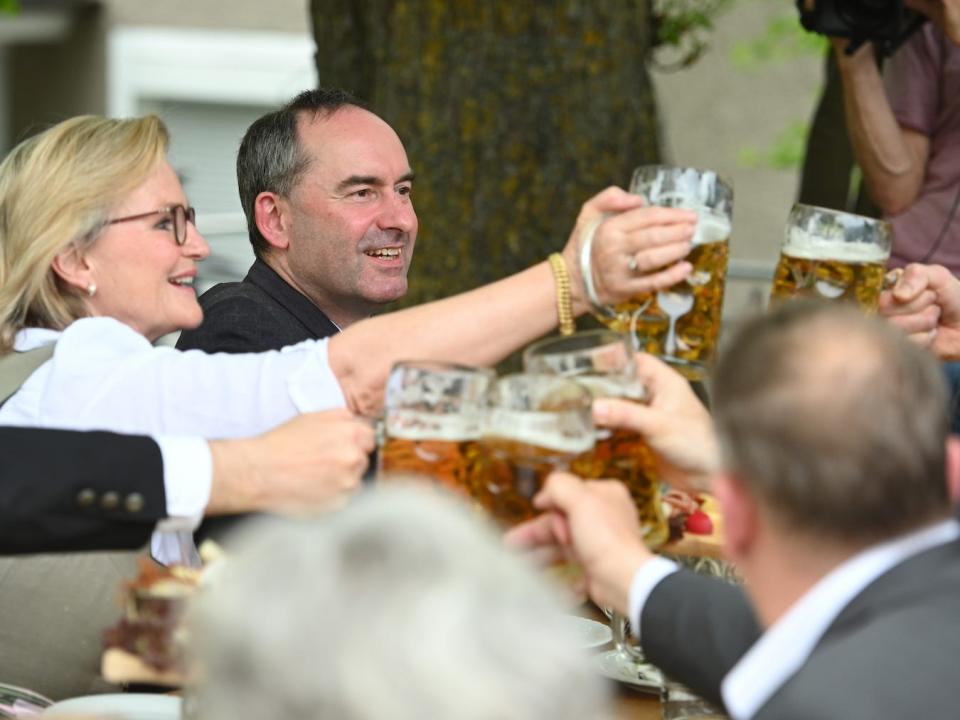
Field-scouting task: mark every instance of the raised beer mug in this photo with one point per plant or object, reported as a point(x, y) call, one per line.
point(681, 324)
point(533, 424)
point(602, 361)
point(432, 421)
point(832, 255)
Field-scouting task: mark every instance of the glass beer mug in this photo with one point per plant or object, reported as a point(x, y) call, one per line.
point(681, 324)
point(432, 419)
point(533, 424)
point(832, 255)
point(602, 362)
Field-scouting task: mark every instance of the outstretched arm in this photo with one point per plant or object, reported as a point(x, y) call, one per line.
point(483, 326)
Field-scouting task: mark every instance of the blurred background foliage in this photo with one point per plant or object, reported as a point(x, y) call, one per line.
point(783, 40)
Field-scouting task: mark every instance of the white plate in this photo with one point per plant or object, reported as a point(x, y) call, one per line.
point(588, 633)
point(123, 706)
point(615, 666)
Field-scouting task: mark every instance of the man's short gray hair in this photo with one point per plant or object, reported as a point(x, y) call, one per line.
point(836, 421)
point(271, 157)
point(401, 607)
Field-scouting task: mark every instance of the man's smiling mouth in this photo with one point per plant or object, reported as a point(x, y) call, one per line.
point(390, 253)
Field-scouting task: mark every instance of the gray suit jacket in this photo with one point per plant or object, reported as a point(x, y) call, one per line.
point(893, 652)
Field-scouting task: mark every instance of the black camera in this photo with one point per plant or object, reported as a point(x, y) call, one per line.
point(885, 23)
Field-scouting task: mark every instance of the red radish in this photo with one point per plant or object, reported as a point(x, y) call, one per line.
point(699, 523)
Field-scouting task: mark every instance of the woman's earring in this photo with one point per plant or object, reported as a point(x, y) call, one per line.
point(92, 289)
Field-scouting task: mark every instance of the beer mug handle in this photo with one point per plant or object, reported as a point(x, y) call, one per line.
point(586, 267)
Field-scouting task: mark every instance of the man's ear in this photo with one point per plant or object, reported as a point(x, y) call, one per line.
point(72, 266)
point(953, 469)
point(269, 212)
point(740, 514)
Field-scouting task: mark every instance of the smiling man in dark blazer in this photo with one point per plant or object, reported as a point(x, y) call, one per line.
point(326, 189)
point(836, 480)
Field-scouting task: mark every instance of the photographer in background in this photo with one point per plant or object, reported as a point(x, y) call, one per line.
point(905, 128)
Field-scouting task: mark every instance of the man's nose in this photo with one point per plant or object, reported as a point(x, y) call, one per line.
point(398, 214)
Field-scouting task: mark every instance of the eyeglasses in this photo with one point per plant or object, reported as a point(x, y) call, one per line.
point(179, 214)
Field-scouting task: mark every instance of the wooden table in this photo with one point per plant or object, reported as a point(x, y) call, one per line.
point(631, 705)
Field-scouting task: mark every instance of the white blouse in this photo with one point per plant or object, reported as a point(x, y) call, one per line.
point(106, 376)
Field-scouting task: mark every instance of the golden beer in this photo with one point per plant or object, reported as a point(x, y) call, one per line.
point(623, 455)
point(854, 279)
point(682, 324)
point(535, 424)
point(512, 472)
point(446, 461)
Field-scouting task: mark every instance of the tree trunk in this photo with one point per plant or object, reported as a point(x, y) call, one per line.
point(512, 114)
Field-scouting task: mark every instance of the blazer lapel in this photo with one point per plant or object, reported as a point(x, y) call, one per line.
point(298, 305)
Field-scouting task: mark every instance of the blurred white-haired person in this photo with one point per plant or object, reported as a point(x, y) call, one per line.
point(402, 607)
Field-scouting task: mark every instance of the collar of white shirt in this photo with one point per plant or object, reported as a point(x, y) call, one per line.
point(787, 644)
point(32, 338)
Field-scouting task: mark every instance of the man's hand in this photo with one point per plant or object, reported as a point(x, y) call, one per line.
point(674, 422)
point(651, 240)
point(596, 523)
point(925, 304)
point(313, 461)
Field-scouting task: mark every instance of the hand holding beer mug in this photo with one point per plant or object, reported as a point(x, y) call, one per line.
point(433, 413)
point(602, 362)
point(832, 255)
point(533, 425)
point(681, 323)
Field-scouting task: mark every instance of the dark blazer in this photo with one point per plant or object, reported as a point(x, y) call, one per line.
point(69, 491)
point(891, 653)
point(260, 313)
point(62, 490)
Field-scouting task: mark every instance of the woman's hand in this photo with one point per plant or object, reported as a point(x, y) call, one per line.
point(636, 249)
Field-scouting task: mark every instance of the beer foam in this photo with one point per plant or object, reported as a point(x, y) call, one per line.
point(612, 387)
point(711, 228)
point(546, 430)
point(805, 245)
point(411, 425)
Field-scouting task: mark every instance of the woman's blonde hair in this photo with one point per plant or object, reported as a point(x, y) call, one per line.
point(57, 189)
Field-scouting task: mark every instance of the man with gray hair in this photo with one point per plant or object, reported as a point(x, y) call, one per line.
point(326, 189)
point(401, 607)
point(835, 476)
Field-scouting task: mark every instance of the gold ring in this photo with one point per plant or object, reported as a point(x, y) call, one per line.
point(892, 278)
point(632, 263)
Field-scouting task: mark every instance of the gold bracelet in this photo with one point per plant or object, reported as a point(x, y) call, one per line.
point(564, 303)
